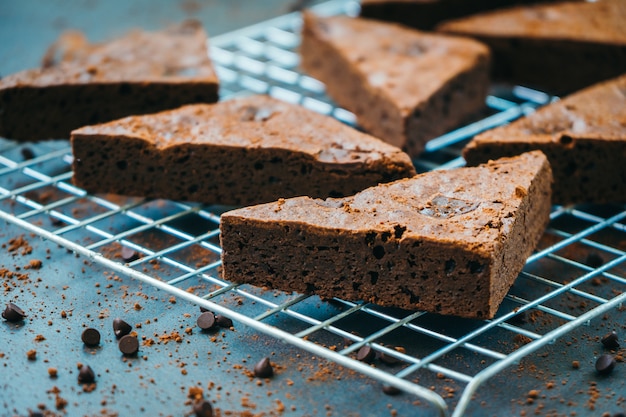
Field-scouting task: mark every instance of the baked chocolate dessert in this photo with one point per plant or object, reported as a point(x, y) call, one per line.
point(425, 14)
point(450, 242)
point(81, 83)
point(559, 48)
point(583, 136)
point(404, 86)
point(242, 151)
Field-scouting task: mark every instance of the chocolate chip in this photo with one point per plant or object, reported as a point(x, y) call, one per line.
point(27, 153)
point(388, 359)
point(86, 375)
point(203, 408)
point(605, 364)
point(223, 321)
point(263, 369)
point(121, 328)
point(91, 337)
point(390, 390)
point(128, 254)
point(129, 345)
point(610, 340)
point(594, 260)
point(366, 354)
point(206, 320)
point(13, 313)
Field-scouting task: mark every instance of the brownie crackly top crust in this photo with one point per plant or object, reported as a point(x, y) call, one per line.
point(240, 151)
point(176, 54)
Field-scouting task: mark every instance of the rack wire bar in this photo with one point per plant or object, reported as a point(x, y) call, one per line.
point(262, 59)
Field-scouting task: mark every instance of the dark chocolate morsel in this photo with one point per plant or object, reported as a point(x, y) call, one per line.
point(390, 390)
point(86, 375)
point(610, 340)
point(91, 337)
point(605, 364)
point(206, 320)
point(203, 408)
point(128, 345)
point(121, 328)
point(263, 368)
point(366, 354)
point(27, 153)
point(13, 313)
point(388, 359)
point(223, 321)
point(128, 254)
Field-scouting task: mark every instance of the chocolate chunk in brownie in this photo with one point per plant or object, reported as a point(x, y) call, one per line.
point(404, 86)
point(583, 136)
point(559, 48)
point(82, 83)
point(425, 14)
point(236, 152)
point(450, 242)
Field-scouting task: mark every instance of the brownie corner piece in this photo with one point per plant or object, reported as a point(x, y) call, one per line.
point(404, 86)
point(449, 242)
point(584, 137)
point(242, 151)
point(82, 83)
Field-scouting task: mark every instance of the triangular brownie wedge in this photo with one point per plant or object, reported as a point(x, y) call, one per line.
point(82, 83)
point(425, 14)
point(237, 152)
point(583, 136)
point(404, 86)
point(450, 242)
point(561, 47)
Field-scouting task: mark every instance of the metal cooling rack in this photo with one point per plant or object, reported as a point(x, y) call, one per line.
point(577, 274)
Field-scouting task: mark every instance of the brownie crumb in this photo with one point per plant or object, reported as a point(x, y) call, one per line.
point(31, 355)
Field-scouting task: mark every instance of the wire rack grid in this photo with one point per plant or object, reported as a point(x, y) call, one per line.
point(577, 273)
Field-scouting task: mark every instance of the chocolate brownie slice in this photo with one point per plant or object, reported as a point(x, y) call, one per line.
point(583, 136)
point(404, 86)
point(561, 47)
point(450, 242)
point(82, 83)
point(236, 152)
point(425, 14)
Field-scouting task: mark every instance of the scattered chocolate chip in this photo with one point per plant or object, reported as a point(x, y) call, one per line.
point(388, 359)
point(203, 408)
point(56, 222)
point(605, 364)
point(35, 414)
point(121, 328)
point(206, 320)
point(390, 390)
point(91, 337)
point(223, 321)
point(27, 153)
point(13, 313)
point(519, 318)
point(128, 254)
point(86, 375)
point(366, 354)
point(594, 260)
point(129, 345)
point(610, 340)
point(263, 369)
